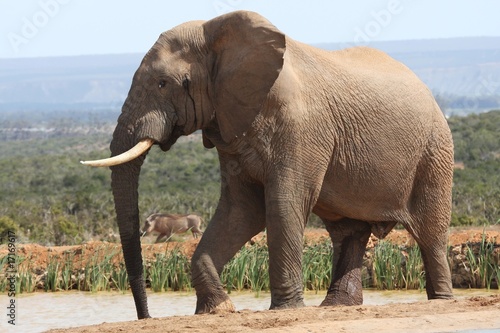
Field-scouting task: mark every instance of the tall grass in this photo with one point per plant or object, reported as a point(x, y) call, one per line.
point(98, 272)
point(249, 269)
point(67, 282)
point(388, 267)
point(414, 277)
point(51, 275)
point(3, 279)
point(119, 277)
point(25, 282)
point(396, 268)
point(483, 263)
point(317, 266)
point(169, 271)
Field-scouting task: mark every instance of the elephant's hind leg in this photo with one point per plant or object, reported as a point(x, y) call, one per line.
point(433, 246)
point(349, 238)
point(430, 218)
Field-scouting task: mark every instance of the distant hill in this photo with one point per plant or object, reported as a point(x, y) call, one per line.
point(83, 81)
point(463, 72)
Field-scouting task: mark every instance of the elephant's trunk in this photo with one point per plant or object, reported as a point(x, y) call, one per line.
point(126, 161)
point(124, 182)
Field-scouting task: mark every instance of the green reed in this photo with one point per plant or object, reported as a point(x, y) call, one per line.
point(66, 279)
point(51, 276)
point(414, 273)
point(483, 264)
point(397, 268)
point(4, 283)
point(387, 262)
point(119, 278)
point(181, 272)
point(169, 271)
point(258, 269)
point(25, 280)
point(98, 271)
point(249, 269)
point(390, 267)
point(317, 266)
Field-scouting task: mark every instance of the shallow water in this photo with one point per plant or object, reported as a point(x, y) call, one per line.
point(41, 311)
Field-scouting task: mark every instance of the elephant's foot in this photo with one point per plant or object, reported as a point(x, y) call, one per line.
point(288, 305)
point(342, 298)
point(347, 290)
point(349, 238)
point(431, 294)
point(286, 301)
point(439, 296)
point(223, 306)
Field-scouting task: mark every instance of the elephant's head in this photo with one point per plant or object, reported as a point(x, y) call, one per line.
point(215, 74)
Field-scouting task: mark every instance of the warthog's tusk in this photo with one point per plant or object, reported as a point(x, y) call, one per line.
point(140, 148)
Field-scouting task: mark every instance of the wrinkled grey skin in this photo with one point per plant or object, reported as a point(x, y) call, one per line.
point(353, 136)
point(169, 224)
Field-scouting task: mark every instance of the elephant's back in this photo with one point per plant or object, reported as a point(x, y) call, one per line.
point(368, 60)
point(369, 70)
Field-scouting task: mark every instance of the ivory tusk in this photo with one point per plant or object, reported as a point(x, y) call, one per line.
point(140, 148)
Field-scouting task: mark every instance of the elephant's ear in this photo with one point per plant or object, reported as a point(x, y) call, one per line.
point(246, 57)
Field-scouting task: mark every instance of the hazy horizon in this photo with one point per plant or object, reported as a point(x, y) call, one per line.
point(48, 28)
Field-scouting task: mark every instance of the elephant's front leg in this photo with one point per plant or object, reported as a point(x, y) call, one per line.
point(349, 238)
point(240, 215)
point(288, 205)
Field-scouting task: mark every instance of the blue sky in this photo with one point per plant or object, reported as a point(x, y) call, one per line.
point(35, 28)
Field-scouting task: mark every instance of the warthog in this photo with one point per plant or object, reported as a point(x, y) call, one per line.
point(169, 224)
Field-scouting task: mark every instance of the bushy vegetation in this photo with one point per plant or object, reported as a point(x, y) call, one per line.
point(386, 266)
point(48, 197)
point(476, 190)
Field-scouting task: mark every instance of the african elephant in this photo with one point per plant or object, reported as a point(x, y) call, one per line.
point(352, 135)
point(169, 224)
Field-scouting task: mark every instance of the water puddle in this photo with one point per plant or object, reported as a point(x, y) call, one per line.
point(39, 312)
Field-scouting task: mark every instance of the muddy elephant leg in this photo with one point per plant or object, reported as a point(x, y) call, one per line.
point(349, 238)
point(240, 215)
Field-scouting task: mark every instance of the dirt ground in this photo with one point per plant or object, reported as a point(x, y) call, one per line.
point(428, 316)
point(460, 315)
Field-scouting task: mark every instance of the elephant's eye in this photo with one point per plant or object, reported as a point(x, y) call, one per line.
point(161, 84)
